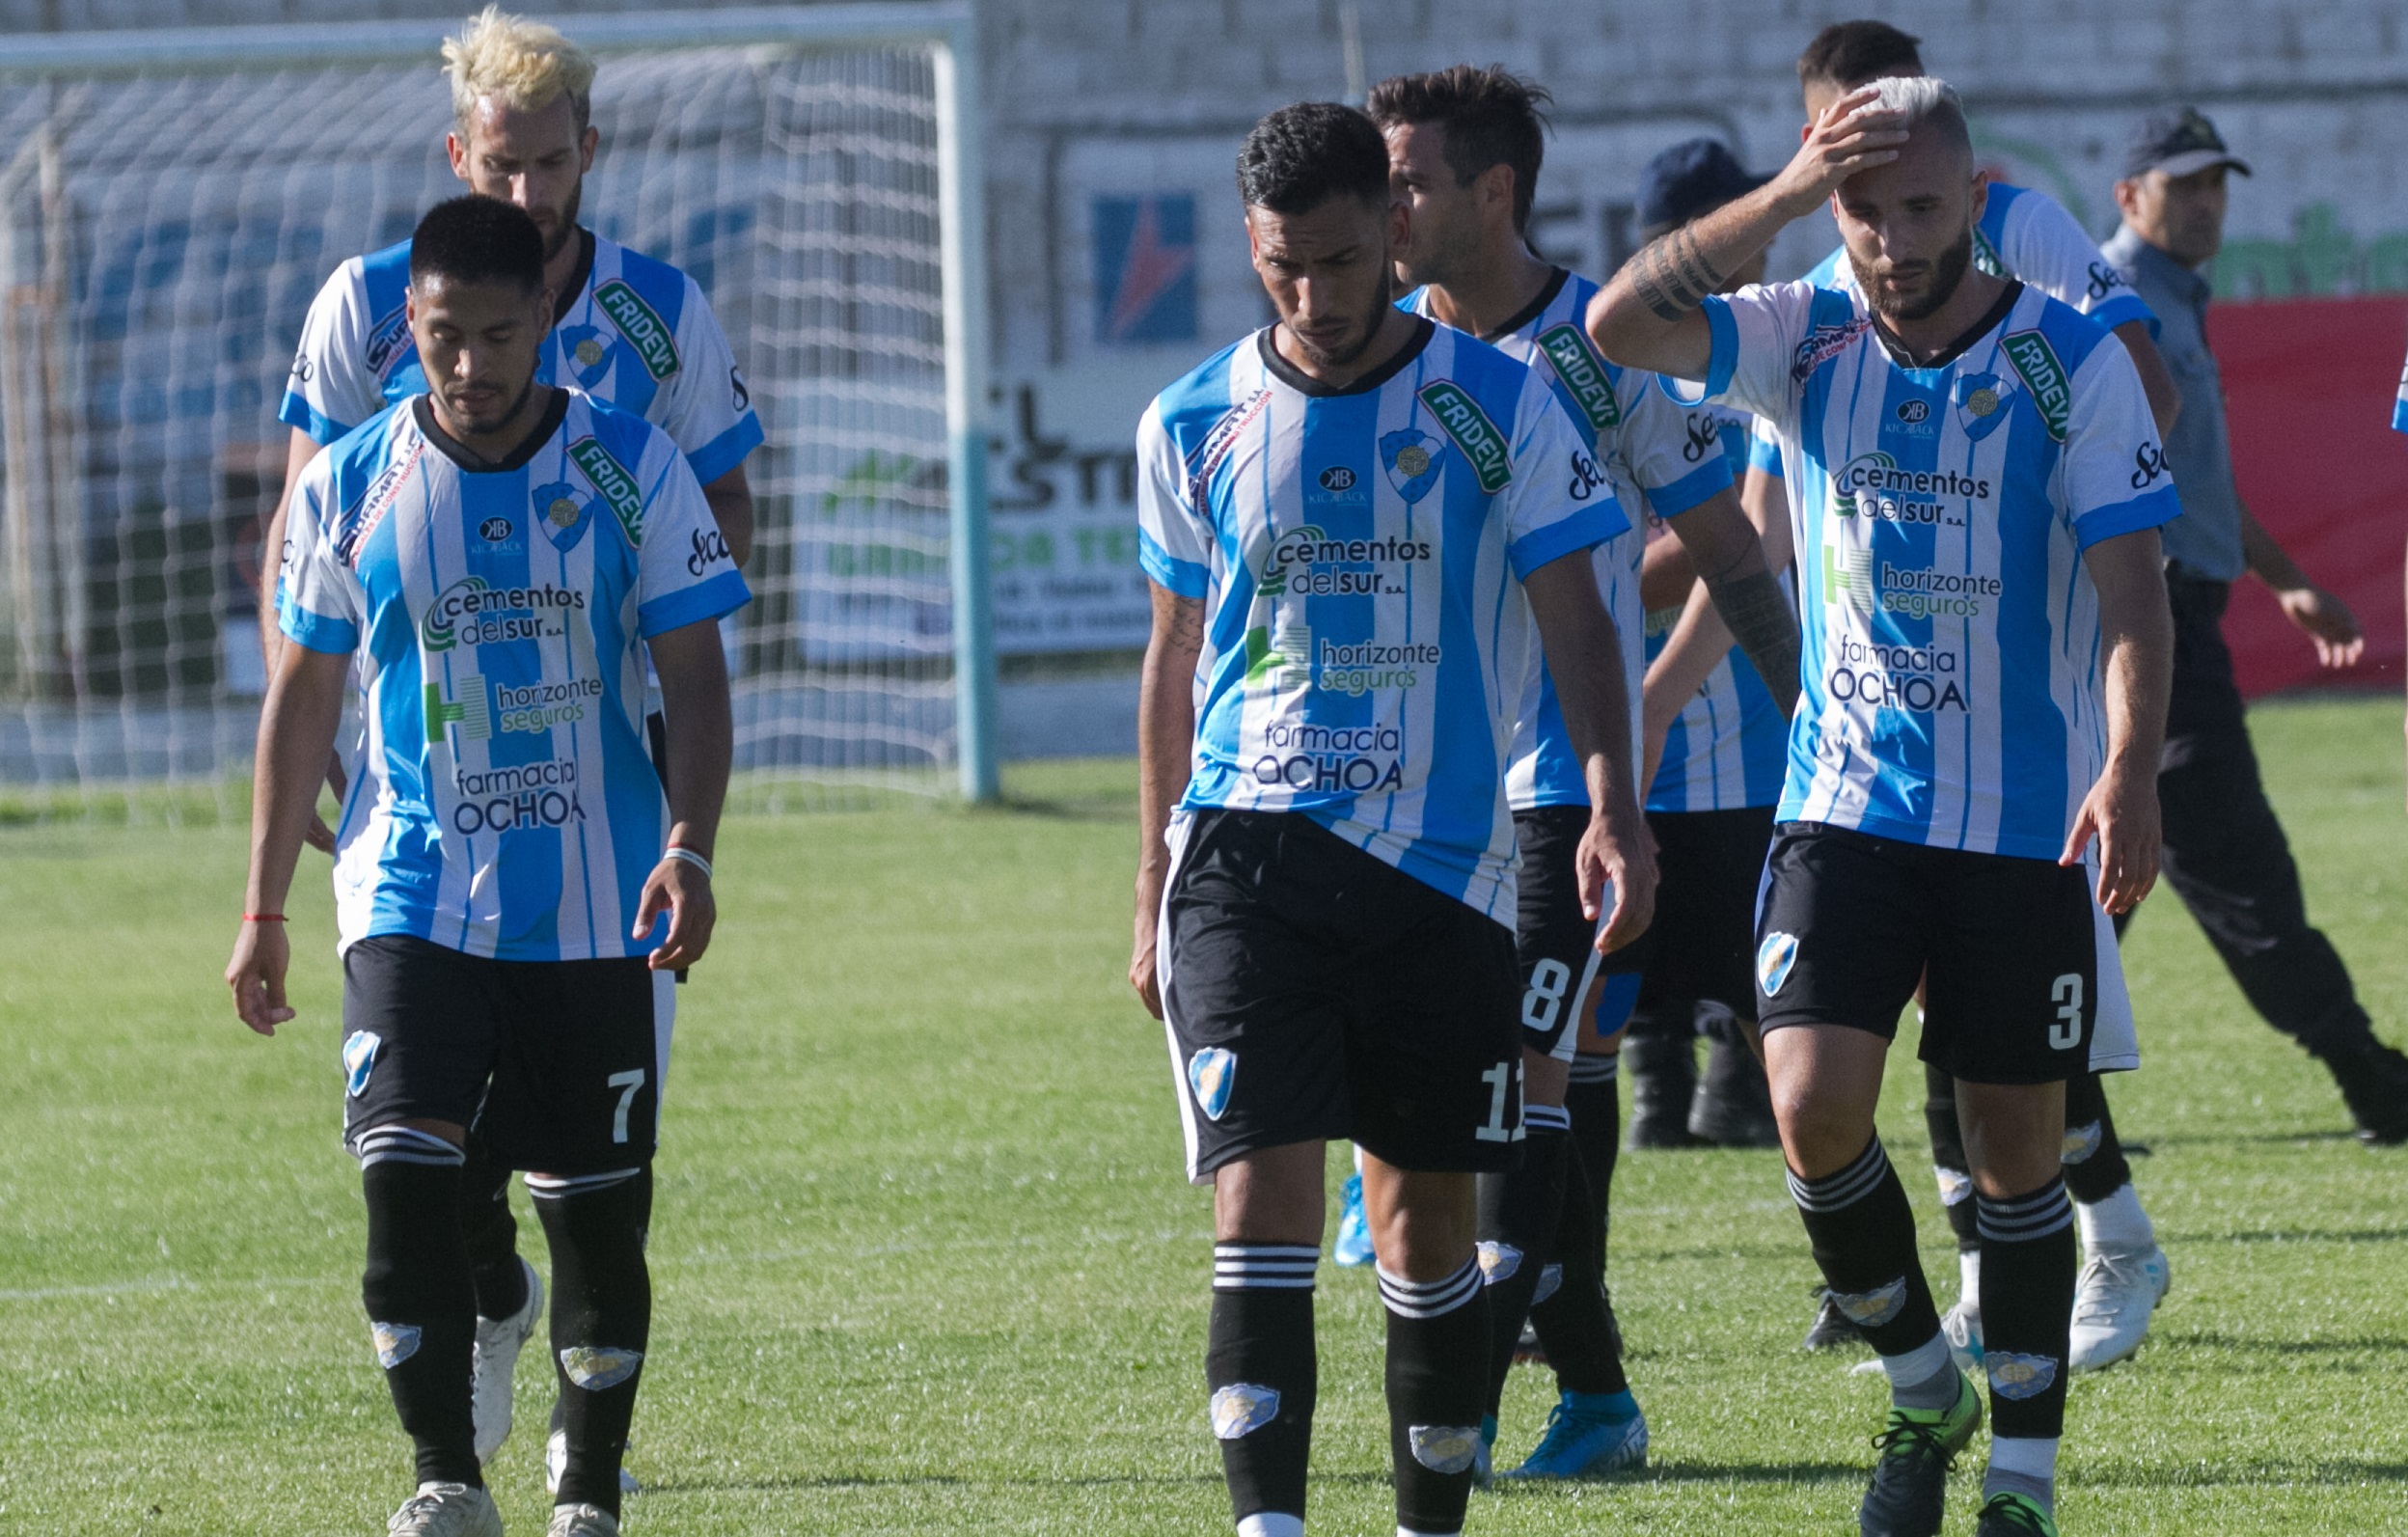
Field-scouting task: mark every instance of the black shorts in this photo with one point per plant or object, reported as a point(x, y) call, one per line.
point(555, 1065)
point(2025, 985)
point(1712, 864)
point(1555, 944)
point(1314, 993)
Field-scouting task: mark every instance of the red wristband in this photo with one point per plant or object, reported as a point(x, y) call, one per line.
point(262, 917)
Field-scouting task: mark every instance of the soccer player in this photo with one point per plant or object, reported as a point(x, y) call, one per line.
point(631, 332)
point(1987, 652)
point(2026, 234)
point(496, 556)
point(2226, 854)
point(1352, 520)
point(1464, 148)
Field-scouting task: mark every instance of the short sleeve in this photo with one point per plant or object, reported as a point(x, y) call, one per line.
point(1671, 449)
point(710, 408)
point(2040, 243)
point(1558, 501)
point(2117, 480)
point(319, 603)
point(1756, 337)
point(685, 573)
point(332, 388)
point(1764, 449)
point(1174, 542)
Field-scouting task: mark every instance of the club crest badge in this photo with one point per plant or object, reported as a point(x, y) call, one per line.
point(1774, 959)
point(586, 353)
point(1411, 457)
point(2018, 1377)
point(1980, 401)
point(1240, 1409)
point(359, 1059)
point(562, 514)
point(1211, 1073)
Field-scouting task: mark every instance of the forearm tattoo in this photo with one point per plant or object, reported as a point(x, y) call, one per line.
point(1672, 276)
point(1758, 616)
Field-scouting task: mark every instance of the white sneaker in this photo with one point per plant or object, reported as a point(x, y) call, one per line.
point(2112, 1306)
point(555, 1462)
point(494, 1363)
point(582, 1520)
point(445, 1510)
point(1961, 1327)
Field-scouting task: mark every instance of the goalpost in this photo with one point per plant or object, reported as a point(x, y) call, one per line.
point(170, 201)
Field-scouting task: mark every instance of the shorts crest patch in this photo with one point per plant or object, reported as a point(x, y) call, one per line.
point(359, 1060)
point(1444, 1449)
point(1774, 959)
point(1240, 1409)
point(1211, 1073)
point(1497, 1261)
point(597, 1368)
point(2081, 1141)
point(1874, 1308)
point(2013, 1376)
point(395, 1343)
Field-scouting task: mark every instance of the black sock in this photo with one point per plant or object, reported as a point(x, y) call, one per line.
point(601, 1321)
point(1259, 1364)
point(1594, 1101)
point(492, 1235)
point(1438, 1382)
point(2027, 1308)
point(1519, 1214)
point(1863, 1234)
point(1948, 1155)
point(1575, 1317)
point(2094, 1165)
point(421, 1307)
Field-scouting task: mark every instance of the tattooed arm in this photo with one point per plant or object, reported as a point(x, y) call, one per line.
point(1647, 315)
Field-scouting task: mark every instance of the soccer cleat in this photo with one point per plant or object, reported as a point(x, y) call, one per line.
point(494, 1363)
point(2112, 1306)
point(1961, 1327)
point(582, 1520)
point(1353, 1245)
point(555, 1462)
point(2373, 1080)
point(1830, 1328)
point(1583, 1443)
point(445, 1510)
point(2008, 1515)
point(1910, 1481)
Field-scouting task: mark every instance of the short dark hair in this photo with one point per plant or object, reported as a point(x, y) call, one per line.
point(1300, 156)
point(1490, 116)
point(1849, 53)
point(478, 239)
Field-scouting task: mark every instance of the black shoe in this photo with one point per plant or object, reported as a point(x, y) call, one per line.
point(2013, 1516)
point(1662, 1071)
point(1831, 1329)
point(1910, 1482)
point(2374, 1085)
point(1732, 1105)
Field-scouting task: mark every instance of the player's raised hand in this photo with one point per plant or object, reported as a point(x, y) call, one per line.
point(256, 975)
point(1851, 135)
point(682, 889)
point(2121, 812)
point(1618, 858)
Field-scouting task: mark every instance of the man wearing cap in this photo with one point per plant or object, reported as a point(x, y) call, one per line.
point(1717, 746)
point(2224, 852)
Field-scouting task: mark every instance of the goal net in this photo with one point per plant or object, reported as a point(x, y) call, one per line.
point(164, 225)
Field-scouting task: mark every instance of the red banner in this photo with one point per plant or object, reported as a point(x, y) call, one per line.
point(2309, 386)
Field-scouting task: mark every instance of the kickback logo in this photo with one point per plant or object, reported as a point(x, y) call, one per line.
point(2052, 390)
point(1482, 445)
point(1212, 1073)
point(640, 324)
point(611, 482)
point(472, 713)
point(1774, 959)
point(1583, 375)
point(1240, 1409)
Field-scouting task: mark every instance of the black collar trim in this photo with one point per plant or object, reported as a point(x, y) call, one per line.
point(1304, 383)
point(1533, 310)
point(422, 412)
point(577, 280)
point(1958, 349)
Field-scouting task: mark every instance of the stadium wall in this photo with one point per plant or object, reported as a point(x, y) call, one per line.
point(1116, 257)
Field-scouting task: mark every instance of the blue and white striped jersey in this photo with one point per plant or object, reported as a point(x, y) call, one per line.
point(1660, 460)
point(1951, 675)
point(502, 802)
point(2030, 236)
point(640, 335)
point(1359, 554)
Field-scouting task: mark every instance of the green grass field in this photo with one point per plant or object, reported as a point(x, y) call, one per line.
point(925, 1261)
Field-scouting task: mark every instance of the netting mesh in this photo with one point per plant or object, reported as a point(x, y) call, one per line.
point(161, 238)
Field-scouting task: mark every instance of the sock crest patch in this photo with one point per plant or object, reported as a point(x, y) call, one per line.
point(599, 1369)
point(1240, 1409)
point(1444, 1449)
point(395, 1343)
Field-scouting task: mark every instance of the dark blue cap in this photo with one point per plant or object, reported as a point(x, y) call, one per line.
point(2180, 142)
point(1694, 176)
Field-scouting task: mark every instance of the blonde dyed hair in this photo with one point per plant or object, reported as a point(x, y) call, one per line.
point(524, 64)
